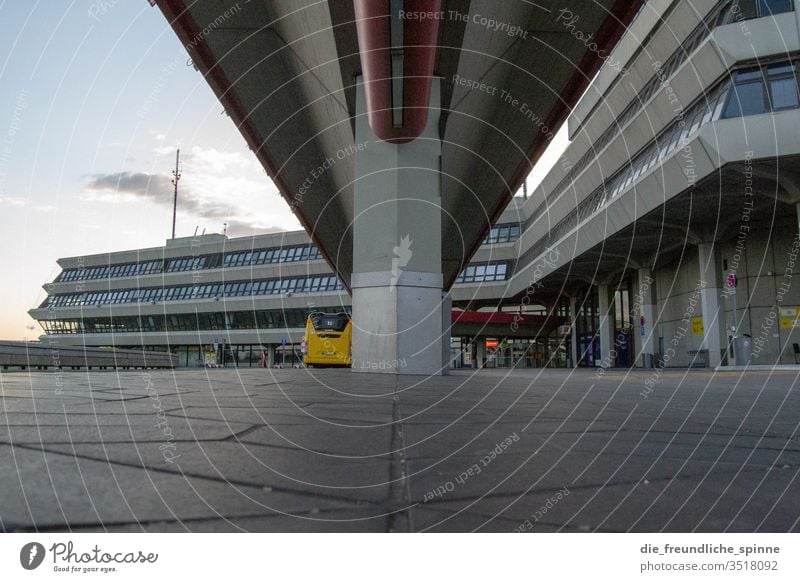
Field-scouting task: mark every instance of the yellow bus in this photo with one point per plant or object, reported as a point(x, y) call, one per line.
point(328, 340)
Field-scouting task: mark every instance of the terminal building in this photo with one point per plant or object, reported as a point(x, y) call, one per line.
point(211, 299)
point(666, 235)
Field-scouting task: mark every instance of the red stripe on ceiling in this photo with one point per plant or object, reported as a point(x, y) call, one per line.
point(609, 33)
point(191, 36)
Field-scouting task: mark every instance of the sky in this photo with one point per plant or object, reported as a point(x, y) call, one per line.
point(95, 97)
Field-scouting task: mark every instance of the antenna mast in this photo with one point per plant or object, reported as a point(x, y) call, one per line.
point(176, 176)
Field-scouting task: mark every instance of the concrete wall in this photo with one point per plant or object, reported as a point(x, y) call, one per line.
point(678, 301)
point(766, 283)
point(763, 264)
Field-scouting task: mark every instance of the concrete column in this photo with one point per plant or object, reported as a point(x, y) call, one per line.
point(270, 356)
point(714, 336)
point(447, 324)
point(397, 241)
point(481, 343)
point(606, 330)
point(646, 298)
point(573, 330)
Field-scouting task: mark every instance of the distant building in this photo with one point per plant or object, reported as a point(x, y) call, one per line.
point(214, 299)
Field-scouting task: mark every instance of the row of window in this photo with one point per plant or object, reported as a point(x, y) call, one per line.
point(676, 136)
point(502, 233)
point(472, 273)
point(724, 12)
point(483, 273)
point(268, 256)
point(123, 270)
point(765, 87)
point(310, 284)
point(499, 234)
point(755, 90)
point(186, 264)
point(262, 319)
point(181, 264)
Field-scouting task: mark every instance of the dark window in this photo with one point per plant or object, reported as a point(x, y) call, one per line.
point(747, 99)
point(767, 7)
point(783, 93)
point(782, 86)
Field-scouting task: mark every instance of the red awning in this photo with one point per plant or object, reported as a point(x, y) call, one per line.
point(506, 318)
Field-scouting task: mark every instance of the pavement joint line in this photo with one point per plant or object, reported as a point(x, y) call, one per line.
point(94, 401)
point(584, 487)
point(193, 475)
point(322, 452)
point(72, 413)
point(237, 435)
point(380, 456)
point(626, 454)
point(491, 518)
point(208, 519)
point(399, 487)
point(277, 423)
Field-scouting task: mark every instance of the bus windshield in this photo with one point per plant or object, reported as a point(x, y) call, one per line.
point(328, 322)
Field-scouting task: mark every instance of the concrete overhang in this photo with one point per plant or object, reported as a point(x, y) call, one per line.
point(285, 72)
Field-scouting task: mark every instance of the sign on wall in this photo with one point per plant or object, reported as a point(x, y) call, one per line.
point(697, 326)
point(789, 317)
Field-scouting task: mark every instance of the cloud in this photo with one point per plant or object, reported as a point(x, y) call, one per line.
point(216, 186)
point(239, 228)
point(152, 186)
point(157, 188)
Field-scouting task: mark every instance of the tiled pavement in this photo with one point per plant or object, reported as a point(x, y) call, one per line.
point(329, 450)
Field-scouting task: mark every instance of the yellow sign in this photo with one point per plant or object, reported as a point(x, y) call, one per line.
point(697, 326)
point(789, 317)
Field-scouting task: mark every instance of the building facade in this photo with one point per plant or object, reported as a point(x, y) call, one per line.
point(670, 222)
point(665, 235)
point(214, 300)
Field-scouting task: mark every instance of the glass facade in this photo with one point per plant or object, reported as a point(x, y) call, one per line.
point(122, 270)
point(309, 284)
point(267, 256)
point(473, 273)
point(502, 233)
point(483, 273)
point(256, 319)
point(186, 264)
point(271, 256)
